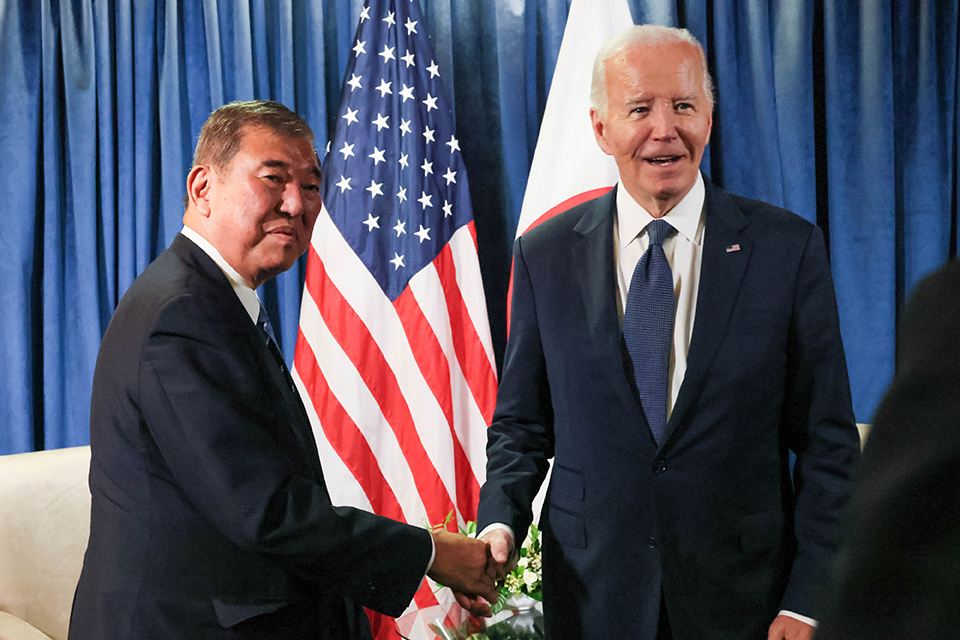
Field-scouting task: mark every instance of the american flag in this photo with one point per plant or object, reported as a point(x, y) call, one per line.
point(394, 356)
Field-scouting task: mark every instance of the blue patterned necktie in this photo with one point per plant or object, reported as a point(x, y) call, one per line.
point(263, 321)
point(302, 428)
point(266, 329)
point(648, 327)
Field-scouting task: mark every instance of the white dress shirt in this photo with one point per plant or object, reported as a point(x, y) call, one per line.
point(684, 251)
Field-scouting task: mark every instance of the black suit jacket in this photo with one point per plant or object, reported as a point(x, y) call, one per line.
point(210, 517)
point(711, 517)
point(899, 574)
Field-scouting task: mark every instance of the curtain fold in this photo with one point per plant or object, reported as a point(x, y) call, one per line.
point(844, 111)
point(926, 88)
point(68, 188)
point(20, 91)
point(794, 73)
point(860, 125)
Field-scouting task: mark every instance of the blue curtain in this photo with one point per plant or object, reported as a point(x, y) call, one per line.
point(845, 111)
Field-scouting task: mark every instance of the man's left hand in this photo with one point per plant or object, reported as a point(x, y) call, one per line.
point(787, 628)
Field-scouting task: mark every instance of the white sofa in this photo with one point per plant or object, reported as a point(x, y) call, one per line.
point(44, 526)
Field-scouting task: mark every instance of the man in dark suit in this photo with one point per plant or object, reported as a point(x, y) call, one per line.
point(210, 517)
point(673, 513)
point(899, 569)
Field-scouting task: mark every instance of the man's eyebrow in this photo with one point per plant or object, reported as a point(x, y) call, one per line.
point(280, 164)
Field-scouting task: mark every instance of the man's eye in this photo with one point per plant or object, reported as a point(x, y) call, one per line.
point(683, 106)
point(641, 109)
point(312, 187)
point(273, 178)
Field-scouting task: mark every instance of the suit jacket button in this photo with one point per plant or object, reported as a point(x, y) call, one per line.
point(652, 542)
point(661, 466)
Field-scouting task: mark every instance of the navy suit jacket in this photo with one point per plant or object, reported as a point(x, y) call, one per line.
point(712, 517)
point(210, 517)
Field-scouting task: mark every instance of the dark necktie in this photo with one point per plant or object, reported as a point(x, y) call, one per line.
point(648, 327)
point(266, 331)
point(300, 427)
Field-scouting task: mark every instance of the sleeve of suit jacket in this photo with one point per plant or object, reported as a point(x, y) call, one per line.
point(213, 415)
point(817, 426)
point(521, 437)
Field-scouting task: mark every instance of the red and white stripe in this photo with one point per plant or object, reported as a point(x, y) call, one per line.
point(399, 393)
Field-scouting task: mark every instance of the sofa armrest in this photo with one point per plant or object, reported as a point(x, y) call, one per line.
point(44, 525)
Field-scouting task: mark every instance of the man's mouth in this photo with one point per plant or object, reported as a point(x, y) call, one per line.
point(284, 232)
point(663, 161)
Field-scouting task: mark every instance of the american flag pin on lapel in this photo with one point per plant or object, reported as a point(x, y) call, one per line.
point(733, 247)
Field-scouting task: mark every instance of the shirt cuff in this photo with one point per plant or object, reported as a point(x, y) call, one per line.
point(433, 556)
point(498, 526)
point(797, 616)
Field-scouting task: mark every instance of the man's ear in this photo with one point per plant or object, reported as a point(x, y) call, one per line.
point(599, 128)
point(198, 188)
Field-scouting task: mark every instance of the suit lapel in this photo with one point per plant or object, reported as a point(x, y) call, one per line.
point(726, 255)
point(283, 381)
point(280, 379)
point(594, 271)
point(595, 275)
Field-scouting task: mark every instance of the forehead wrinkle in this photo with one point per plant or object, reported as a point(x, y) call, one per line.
point(650, 71)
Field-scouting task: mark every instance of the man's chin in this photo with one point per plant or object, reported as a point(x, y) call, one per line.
point(660, 199)
point(673, 189)
point(272, 270)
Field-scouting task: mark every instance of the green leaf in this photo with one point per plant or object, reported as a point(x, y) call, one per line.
point(503, 593)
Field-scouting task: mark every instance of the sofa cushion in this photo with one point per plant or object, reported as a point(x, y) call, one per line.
point(13, 628)
point(44, 526)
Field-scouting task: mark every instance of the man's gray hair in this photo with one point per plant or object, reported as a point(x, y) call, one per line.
point(221, 135)
point(644, 35)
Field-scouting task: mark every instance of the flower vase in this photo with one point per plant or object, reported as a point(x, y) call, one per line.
point(520, 619)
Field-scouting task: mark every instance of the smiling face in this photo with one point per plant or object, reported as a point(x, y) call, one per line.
point(657, 122)
point(259, 209)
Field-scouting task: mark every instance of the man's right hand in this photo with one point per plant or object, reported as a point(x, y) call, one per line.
point(465, 565)
point(500, 545)
point(501, 548)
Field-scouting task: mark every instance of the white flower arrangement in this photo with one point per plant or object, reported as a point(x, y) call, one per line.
point(517, 610)
point(527, 578)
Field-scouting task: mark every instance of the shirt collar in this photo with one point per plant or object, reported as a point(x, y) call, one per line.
point(686, 217)
point(248, 297)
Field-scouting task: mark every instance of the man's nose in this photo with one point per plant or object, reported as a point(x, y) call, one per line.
point(292, 202)
point(664, 122)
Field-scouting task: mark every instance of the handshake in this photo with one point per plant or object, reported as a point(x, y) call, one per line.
point(472, 567)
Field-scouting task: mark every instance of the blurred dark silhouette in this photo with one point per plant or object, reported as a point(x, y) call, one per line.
point(899, 571)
